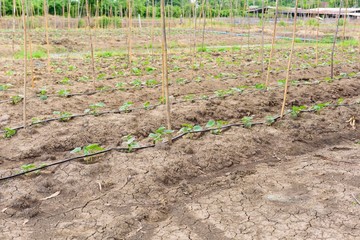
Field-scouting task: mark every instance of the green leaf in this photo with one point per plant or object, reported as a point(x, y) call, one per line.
point(76, 150)
point(210, 124)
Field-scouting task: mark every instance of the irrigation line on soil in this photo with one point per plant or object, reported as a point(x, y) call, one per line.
point(275, 118)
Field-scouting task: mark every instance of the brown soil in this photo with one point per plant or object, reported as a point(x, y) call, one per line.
point(295, 179)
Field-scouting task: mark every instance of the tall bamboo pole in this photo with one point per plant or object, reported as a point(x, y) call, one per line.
point(262, 37)
point(47, 35)
point(69, 7)
point(129, 31)
point(25, 61)
point(91, 42)
point(289, 60)
point(317, 35)
point(13, 33)
point(334, 43)
point(345, 17)
point(272, 43)
point(30, 43)
point(55, 16)
point(164, 68)
point(194, 43)
point(152, 28)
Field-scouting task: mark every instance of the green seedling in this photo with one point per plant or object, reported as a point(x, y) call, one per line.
point(16, 99)
point(159, 134)
point(28, 167)
point(125, 107)
point(189, 98)
point(181, 81)
point(64, 116)
point(150, 69)
point(224, 93)
point(9, 73)
point(4, 87)
point(71, 68)
point(64, 93)
point(43, 94)
point(84, 79)
point(260, 86)
point(295, 110)
point(162, 100)
point(216, 124)
point(9, 132)
point(281, 82)
point(35, 120)
point(101, 76)
point(320, 106)
point(204, 97)
point(136, 71)
point(147, 105)
point(58, 70)
point(270, 120)
point(131, 142)
point(247, 121)
point(93, 108)
point(120, 86)
point(136, 83)
point(187, 127)
point(340, 101)
point(151, 83)
point(103, 88)
point(87, 150)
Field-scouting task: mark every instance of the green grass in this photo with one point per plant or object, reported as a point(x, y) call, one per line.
point(39, 53)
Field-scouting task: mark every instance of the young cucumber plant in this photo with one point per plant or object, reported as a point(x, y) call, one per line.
point(28, 167)
point(87, 150)
point(9, 132)
point(320, 106)
point(64, 116)
point(187, 127)
point(295, 110)
point(16, 99)
point(125, 107)
point(159, 134)
point(131, 142)
point(216, 124)
point(93, 108)
point(43, 94)
point(247, 121)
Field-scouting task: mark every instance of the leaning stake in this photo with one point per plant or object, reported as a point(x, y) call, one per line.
point(164, 67)
point(289, 61)
point(25, 60)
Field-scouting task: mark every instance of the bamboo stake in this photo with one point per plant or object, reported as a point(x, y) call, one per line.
point(47, 36)
point(152, 28)
point(129, 31)
point(272, 44)
point(346, 12)
point(55, 16)
point(194, 43)
point(13, 33)
point(69, 8)
point(91, 42)
point(30, 45)
point(204, 24)
point(289, 61)
point(25, 61)
point(164, 68)
point(262, 37)
point(334, 43)
point(317, 35)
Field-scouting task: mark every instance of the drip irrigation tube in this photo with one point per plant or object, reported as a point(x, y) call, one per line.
point(275, 118)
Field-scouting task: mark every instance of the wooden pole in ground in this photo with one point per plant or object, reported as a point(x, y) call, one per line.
point(272, 44)
point(317, 35)
point(25, 61)
point(13, 33)
point(91, 42)
point(164, 68)
point(29, 38)
point(47, 35)
point(289, 60)
point(262, 37)
point(69, 7)
point(194, 43)
point(129, 31)
point(334, 43)
point(152, 28)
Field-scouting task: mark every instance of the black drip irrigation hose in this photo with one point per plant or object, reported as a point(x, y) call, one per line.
point(275, 118)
